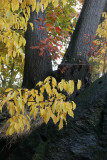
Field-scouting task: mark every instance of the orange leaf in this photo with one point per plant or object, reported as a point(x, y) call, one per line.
point(58, 29)
point(48, 25)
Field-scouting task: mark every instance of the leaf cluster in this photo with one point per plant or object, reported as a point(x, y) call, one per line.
point(48, 101)
point(99, 60)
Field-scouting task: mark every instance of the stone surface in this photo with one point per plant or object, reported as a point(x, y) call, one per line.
point(84, 138)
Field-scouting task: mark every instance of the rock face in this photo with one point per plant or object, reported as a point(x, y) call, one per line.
point(84, 138)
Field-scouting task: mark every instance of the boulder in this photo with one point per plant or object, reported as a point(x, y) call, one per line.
point(84, 137)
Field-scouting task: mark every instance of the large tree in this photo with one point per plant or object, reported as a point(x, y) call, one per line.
point(38, 67)
point(75, 59)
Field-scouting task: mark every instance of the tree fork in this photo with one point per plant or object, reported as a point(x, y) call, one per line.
point(76, 54)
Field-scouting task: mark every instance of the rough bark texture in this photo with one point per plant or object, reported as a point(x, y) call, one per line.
point(84, 138)
point(87, 24)
point(36, 67)
point(76, 59)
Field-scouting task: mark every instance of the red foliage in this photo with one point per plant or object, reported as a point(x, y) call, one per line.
point(52, 43)
point(93, 47)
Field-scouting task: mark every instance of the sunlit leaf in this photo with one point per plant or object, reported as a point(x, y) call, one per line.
point(79, 84)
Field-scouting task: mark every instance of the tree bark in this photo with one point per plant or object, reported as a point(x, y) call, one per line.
point(36, 67)
point(76, 57)
point(87, 24)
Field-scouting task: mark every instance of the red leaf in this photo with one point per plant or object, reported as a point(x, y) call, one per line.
point(85, 39)
point(41, 52)
point(44, 20)
point(48, 25)
point(42, 41)
point(88, 53)
point(99, 53)
point(94, 43)
point(40, 19)
point(58, 29)
point(41, 28)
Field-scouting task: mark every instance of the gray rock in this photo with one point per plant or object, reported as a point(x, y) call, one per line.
point(84, 138)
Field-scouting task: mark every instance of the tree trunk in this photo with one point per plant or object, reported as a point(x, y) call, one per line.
point(87, 24)
point(36, 67)
point(76, 59)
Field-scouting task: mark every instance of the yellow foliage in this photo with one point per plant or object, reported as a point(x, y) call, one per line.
point(31, 24)
point(101, 45)
point(8, 89)
point(79, 84)
point(54, 106)
point(13, 25)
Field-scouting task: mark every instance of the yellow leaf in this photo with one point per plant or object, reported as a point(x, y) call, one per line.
point(38, 99)
point(73, 105)
point(64, 107)
point(37, 7)
point(42, 104)
point(54, 82)
point(25, 96)
point(8, 89)
point(42, 112)
point(28, 126)
point(71, 86)
point(17, 127)
point(23, 5)
point(39, 83)
point(10, 130)
point(42, 89)
point(31, 112)
point(64, 2)
point(79, 84)
point(1, 108)
point(48, 88)
point(55, 119)
point(12, 110)
point(22, 128)
point(15, 93)
point(14, 54)
point(60, 86)
point(35, 112)
point(61, 124)
point(47, 117)
point(33, 5)
point(31, 24)
point(41, 97)
point(54, 91)
point(45, 5)
point(70, 112)
point(7, 59)
point(28, 10)
point(55, 4)
point(15, 5)
point(47, 79)
point(21, 124)
point(31, 99)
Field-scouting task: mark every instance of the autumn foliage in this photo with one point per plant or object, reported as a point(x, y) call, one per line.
point(48, 101)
